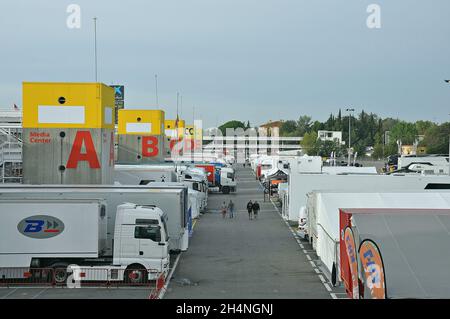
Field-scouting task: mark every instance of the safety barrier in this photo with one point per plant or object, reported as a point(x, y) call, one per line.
point(160, 283)
point(26, 276)
point(76, 277)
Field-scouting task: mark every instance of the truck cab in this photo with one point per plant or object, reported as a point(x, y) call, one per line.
point(141, 239)
point(226, 180)
point(196, 179)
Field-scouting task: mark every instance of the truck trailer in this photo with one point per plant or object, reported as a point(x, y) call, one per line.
point(323, 215)
point(173, 200)
point(193, 178)
point(57, 234)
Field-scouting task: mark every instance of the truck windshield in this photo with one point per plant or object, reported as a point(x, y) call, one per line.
point(230, 176)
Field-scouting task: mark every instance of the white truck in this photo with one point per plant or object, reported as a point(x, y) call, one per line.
point(196, 179)
point(430, 160)
point(58, 234)
point(172, 199)
point(225, 180)
point(193, 178)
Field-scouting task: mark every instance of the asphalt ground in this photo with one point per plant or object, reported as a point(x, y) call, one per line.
point(75, 293)
point(227, 258)
point(242, 258)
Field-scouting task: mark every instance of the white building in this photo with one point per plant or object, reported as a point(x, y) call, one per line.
point(330, 136)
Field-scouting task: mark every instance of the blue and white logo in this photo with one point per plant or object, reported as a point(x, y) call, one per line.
point(40, 226)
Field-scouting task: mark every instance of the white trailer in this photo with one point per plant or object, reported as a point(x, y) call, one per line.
point(302, 184)
point(323, 214)
point(171, 199)
point(143, 177)
point(53, 234)
point(431, 160)
point(193, 178)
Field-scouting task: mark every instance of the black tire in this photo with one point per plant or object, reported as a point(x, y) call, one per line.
point(334, 275)
point(226, 190)
point(136, 274)
point(60, 273)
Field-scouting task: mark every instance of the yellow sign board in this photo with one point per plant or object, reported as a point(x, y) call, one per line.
point(67, 105)
point(191, 132)
point(170, 128)
point(141, 122)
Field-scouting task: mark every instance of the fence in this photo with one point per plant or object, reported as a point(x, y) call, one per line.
point(76, 277)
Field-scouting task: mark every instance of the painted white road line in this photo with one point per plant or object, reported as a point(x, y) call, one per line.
point(6, 296)
point(322, 279)
point(40, 293)
point(327, 287)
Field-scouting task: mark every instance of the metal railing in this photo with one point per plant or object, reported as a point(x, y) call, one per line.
point(78, 277)
point(11, 161)
point(10, 152)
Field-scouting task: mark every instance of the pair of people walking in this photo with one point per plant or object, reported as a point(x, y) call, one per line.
point(253, 209)
point(228, 209)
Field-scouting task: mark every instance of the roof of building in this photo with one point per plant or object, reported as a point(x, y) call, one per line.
point(272, 124)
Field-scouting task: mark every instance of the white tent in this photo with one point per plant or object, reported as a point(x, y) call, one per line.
point(302, 184)
point(323, 214)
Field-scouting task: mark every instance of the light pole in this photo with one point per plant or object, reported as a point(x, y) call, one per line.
point(156, 89)
point(349, 133)
point(95, 47)
point(448, 81)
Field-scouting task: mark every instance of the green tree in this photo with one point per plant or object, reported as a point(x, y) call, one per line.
point(325, 148)
point(288, 128)
point(378, 151)
point(404, 131)
point(317, 126)
point(423, 126)
point(309, 143)
point(303, 125)
point(231, 124)
point(437, 139)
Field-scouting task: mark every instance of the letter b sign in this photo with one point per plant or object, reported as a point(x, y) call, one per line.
point(150, 146)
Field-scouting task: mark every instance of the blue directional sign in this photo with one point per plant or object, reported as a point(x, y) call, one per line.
point(119, 94)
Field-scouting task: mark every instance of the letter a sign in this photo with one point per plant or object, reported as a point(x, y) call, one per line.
point(83, 137)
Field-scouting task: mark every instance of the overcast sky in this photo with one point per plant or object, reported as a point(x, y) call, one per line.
point(239, 59)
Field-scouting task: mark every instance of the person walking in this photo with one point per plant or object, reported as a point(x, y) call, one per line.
point(255, 208)
point(250, 210)
point(231, 208)
point(223, 209)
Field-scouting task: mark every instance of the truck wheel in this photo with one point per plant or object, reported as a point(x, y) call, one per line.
point(225, 190)
point(136, 274)
point(59, 273)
